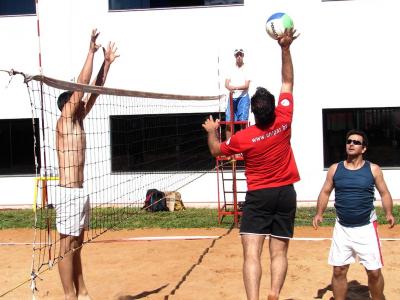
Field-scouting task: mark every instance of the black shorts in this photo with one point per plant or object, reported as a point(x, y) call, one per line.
point(269, 211)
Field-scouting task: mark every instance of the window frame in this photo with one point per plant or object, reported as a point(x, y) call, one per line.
point(21, 154)
point(20, 9)
point(173, 7)
point(381, 124)
point(170, 122)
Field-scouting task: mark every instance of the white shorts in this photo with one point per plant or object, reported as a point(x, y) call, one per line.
point(348, 243)
point(72, 210)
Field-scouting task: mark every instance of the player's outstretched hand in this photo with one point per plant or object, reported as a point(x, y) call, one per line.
point(93, 46)
point(286, 39)
point(210, 124)
point(110, 54)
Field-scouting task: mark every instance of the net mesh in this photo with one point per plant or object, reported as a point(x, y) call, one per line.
point(135, 141)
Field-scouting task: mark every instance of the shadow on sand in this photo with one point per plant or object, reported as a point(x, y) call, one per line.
point(356, 291)
point(142, 294)
point(199, 261)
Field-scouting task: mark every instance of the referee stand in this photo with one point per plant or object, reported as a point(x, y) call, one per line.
point(231, 179)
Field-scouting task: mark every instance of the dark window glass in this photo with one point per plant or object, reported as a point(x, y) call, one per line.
point(17, 7)
point(170, 142)
point(382, 126)
point(142, 4)
point(17, 151)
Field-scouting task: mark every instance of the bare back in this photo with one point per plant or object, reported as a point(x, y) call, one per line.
point(71, 146)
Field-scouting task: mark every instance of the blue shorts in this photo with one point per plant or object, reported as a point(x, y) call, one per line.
point(240, 107)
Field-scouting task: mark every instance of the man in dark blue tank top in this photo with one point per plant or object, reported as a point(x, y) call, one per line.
point(355, 233)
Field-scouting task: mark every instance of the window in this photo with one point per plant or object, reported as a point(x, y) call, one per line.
point(17, 150)
point(17, 7)
point(170, 142)
point(143, 4)
point(382, 126)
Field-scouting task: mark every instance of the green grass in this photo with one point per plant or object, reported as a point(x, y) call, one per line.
point(129, 218)
point(16, 218)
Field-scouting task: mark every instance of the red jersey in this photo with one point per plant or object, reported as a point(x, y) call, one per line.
point(267, 152)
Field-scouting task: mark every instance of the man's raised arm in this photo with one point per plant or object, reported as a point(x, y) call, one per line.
point(70, 108)
point(287, 65)
point(109, 56)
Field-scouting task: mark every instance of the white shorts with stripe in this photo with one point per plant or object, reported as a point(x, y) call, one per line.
point(350, 243)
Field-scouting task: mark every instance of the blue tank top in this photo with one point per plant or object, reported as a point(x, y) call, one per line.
point(354, 195)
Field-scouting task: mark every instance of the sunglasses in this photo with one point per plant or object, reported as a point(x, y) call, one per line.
point(238, 52)
point(355, 142)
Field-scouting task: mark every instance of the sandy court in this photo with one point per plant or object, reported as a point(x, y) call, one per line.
point(190, 269)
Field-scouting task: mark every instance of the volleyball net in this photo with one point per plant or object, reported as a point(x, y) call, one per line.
point(135, 141)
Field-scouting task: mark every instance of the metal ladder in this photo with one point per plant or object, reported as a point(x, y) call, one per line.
point(231, 170)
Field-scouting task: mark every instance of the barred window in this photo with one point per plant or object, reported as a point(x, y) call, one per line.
point(17, 153)
point(160, 142)
point(146, 4)
point(381, 124)
point(17, 7)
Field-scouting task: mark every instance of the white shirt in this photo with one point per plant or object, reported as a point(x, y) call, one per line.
point(238, 77)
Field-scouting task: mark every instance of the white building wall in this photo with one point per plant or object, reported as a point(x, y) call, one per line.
point(346, 56)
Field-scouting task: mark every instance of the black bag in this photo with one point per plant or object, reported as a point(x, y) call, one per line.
point(155, 201)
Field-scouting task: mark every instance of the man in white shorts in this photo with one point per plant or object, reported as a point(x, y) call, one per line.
point(72, 205)
point(72, 211)
point(355, 234)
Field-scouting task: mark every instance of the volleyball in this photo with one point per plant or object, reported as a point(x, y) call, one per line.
point(277, 23)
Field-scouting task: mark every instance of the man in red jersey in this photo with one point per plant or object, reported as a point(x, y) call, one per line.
point(271, 170)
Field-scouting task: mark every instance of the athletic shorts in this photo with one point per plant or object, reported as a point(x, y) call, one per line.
point(241, 107)
point(72, 210)
point(269, 211)
point(348, 243)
